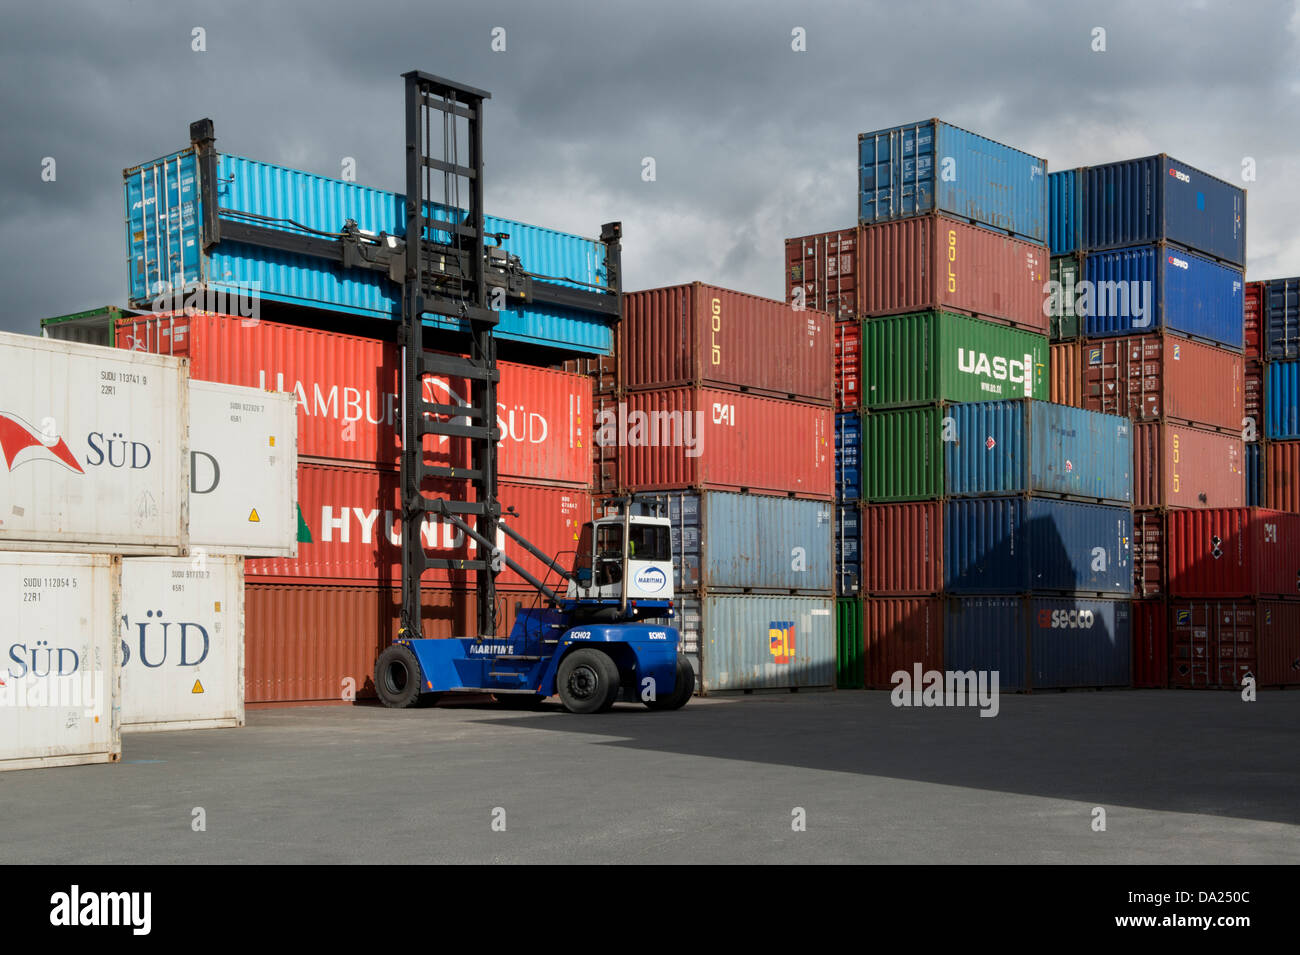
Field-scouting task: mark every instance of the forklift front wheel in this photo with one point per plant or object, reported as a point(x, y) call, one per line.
point(397, 676)
point(587, 681)
point(683, 689)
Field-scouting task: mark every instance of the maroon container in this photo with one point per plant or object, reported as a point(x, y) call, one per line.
point(1180, 466)
point(902, 548)
point(934, 262)
point(1253, 401)
point(1212, 643)
point(1150, 644)
point(1233, 552)
point(823, 269)
point(1149, 377)
point(1254, 319)
point(899, 634)
point(1279, 643)
point(1149, 552)
point(1282, 487)
point(705, 336)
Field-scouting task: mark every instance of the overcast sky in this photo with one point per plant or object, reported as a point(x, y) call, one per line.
point(753, 142)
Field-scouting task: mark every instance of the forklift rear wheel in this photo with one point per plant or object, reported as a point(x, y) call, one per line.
point(397, 676)
point(683, 689)
point(587, 681)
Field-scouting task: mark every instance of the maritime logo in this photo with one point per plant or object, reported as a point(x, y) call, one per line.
point(21, 442)
point(652, 580)
point(780, 634)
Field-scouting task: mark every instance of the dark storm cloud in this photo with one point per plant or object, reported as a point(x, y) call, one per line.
point(752, 141)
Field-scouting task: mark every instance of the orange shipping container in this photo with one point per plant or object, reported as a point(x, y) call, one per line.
point(901, 633)
point(902, 546)
point(1067, 374)
point(1282, 487)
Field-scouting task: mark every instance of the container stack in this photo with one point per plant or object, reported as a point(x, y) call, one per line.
point(1278, 356)
point(1065, 276)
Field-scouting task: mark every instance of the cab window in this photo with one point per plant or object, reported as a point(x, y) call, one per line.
point(649, 542)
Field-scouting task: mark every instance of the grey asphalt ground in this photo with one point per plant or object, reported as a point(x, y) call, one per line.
point(1183, 777)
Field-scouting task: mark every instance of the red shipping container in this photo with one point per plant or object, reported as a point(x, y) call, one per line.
point(707, 439)
point(900, 633)
point(1282, 485)
point(1253, 401)
point(703, 335)
point(347, 391)
point(1279, 643)
point(1233, 552)
point(902, 548)
point(824, 267)
point(1212, 643)
point(848, 366)
point(1066, 386)
point(1149, 552)
point(1254, 319)
point(1150, 644)
point(352, 519)
point(602, 370)
point(1151, 377)
point(1181, 466)
point(934, 262)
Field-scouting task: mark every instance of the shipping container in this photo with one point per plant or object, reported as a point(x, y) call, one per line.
point(1254, 319)
point(1152, 288)
point(60, 689)
point(182, 630)
point(1147, 377)
point(1158, 199)
point(935, 262)
point(1282, 481)
point(901, 633)
point(848, 644)
point(1212, 643)
point(601, 369)
point(1150, 644)
point(938, 356)
point(705, 336)
point(848, 366)
point(167, 200)
point(987, 635)
point(1256, 475)
point(848, 456)
point(243, 471)
point(1017, 545)
point(1035, 447)
point(932, 166)
point(1282, 400)
point(96, 326)
point(95, 448)
point(714, 440)
point(1233, 552)
point(1278, 648)
point(1065, 275)
point(1280, 321)
point(347, 389)
point(821, 273)
point(606, 476)
point(848, 549)
point(1181, 466)
point(1065, 211)
point(727, 542)
point(351, 530)
point(1067, 374)
point(1149, 553)
point(754, 642)
point(1252, 421)
point(903, 548)
point(903, 454)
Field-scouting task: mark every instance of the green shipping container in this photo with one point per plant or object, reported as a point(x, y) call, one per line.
point(848, 644)
point(938, 356)
point(902, 454)
point(1065, 273)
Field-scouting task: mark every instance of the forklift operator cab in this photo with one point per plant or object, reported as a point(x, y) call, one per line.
point(624, 558)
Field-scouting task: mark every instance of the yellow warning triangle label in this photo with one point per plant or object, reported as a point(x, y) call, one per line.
point(253, 518)
point(198, 687)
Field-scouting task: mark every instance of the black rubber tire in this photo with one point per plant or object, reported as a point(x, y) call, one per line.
point(397, 677)
point(683, 689)
point(587, 681)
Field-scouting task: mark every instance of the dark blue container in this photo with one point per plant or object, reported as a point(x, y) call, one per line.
point(1159, 199)
point(1281, 319)
point(1065, 211)
point(848, 550)
point(1150, 287)
point(1255, 475)
point(1018, 545)
point(987, 633)
point(848, 456)
point(1282, 400)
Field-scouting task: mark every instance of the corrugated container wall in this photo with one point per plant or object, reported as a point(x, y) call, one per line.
point(848, 549)
point(1150, 644)
point(901, 634)
point(1067, 374)
point(939, 263)
point(1153, 287)
point(1065, 320)
point(767, 642)
point(1282, 483)
point(1065, 211)
point(702, 335)
point(848, 644)
point(1157, 199)
point(1028, 447)
point(1149, 552)
point(987, 633)
point(938, 356)
point(1256, 475)
point(904, 548)
point(1233, 552)
point(931, 166)
point(1212, 643)
point(848, 365)
point(1180, 466)
point(821, 272)
point(1254, 319)
point(848, 456)
point(1280, 324)
point(902, 450)
point(1252, 422)
point(1282, 400)
point(1279, 643)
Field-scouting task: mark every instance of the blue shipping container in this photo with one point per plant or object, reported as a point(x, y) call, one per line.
point(1018, 545)
point(848, 550)
point(1281, 318)
point(1065, 211)
point(1282, 400)
point(1041, 643)
point(165, 249)
point(848, 456)
point(748, 542)
point(1159, 199)
point(1255, 494)
point(1150, 287)
point(1024, 447)
point(918, 168)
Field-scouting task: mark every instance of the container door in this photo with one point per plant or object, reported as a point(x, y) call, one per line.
point(163, 216)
